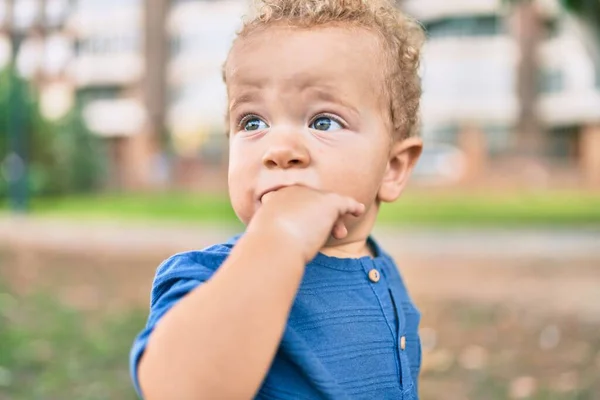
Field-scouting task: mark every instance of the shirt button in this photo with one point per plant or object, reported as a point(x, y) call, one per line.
point(403, 342)
point(374, 276)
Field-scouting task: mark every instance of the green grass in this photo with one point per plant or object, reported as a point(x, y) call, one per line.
point(492, 209)
point(177, 207)
point(50, 351)
point(415, 208)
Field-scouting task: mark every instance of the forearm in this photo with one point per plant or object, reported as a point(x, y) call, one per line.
point(219, 341)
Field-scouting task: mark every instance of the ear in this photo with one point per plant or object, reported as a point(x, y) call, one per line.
point(404, 155)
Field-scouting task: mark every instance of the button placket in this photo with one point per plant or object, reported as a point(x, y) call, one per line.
point(381, 291)
point(407, 383)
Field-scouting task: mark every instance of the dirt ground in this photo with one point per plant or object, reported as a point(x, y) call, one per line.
point(513, 326)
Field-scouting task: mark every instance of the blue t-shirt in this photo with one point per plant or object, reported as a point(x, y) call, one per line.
point(352, 331)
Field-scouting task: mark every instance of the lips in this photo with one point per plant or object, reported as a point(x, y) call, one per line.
point(271, 189)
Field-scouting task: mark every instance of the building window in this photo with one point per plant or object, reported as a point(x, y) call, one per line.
point(441, 134)
point(488, 25)
point(562, 143)
point(551, 28)
point(551, 81)
point(91, 94)
point(498, 139)
point(109, 44)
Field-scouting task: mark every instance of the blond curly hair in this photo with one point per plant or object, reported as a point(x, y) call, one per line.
point(401, 36)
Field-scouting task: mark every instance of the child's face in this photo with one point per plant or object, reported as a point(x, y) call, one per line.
point(306, 107)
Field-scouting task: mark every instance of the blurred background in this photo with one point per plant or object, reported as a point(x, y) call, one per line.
point(113, 156)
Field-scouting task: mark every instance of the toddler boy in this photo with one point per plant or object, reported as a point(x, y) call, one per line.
point(323, 102)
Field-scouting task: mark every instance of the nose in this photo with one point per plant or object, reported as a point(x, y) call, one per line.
point(286, 152)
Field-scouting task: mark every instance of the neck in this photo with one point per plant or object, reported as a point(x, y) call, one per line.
point(348, 249)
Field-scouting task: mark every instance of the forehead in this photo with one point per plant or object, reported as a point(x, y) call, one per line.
point(342, 57)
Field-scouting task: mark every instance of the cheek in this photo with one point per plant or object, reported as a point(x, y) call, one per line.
point(357, 173)
point(239, 159)
point(238, 196)
point(240, 182)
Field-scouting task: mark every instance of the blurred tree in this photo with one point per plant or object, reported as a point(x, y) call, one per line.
point(587, 10)
point(63, 156)
point(527, 28)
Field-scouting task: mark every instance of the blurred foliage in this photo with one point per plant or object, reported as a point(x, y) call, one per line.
point(51, 351)
point(585, 8)
point(63, 156)
point(589, 12)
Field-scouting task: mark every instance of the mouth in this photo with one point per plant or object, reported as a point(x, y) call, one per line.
point(271, 189)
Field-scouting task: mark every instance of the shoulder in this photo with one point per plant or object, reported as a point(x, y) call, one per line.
point(191, 262)
point(197, 265)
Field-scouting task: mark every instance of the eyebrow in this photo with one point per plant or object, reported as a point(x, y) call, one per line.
point(324, 93)
point(315, 92)
point(247, 97)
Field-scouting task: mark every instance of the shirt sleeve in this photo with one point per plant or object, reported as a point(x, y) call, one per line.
point(174, 279)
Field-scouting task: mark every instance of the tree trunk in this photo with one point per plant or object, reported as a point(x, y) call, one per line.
point(156, 54)
point(528, 31)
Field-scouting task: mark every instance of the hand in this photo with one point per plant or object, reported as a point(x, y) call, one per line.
point(304, 217)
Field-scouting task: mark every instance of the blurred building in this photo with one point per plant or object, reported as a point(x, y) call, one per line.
point(86, 53)
point(147, 76)
point(108, 71)
point(471, 82)
point(200, 34)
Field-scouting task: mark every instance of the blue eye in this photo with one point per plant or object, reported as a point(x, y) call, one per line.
point(325, 124)
point(254, 124)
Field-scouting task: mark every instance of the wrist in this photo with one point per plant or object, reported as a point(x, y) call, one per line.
point(277, 242)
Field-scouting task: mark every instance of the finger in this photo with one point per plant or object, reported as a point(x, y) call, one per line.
point(265, 198)
point(357, 209)
point(347, 205)
point(339, 230)
point(353, 207)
